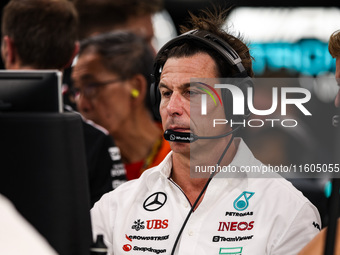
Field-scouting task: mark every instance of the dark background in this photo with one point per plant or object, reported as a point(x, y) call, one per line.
point(178, 9)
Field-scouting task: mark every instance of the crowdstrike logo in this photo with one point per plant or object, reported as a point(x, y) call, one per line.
point(127, 247)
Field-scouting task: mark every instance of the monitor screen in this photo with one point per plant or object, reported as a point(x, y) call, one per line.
point(30, 91)
point(44, 174)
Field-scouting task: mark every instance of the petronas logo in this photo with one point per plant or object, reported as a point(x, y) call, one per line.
point(242, 201)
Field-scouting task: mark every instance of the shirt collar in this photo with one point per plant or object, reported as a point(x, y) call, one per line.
point(163, 170)
point(243, 157)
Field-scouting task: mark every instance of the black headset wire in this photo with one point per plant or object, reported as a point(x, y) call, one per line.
point(217, 136)
point(232, 132)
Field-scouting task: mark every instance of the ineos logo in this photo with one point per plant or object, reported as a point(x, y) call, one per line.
point(155, 201)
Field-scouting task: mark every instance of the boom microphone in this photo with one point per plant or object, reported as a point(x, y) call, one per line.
point(185, 137)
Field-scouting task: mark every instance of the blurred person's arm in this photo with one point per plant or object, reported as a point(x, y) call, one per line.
point(17, 236)
point(317, 245)
point(106, 170)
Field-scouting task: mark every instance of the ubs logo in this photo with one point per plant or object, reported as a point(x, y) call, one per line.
point(157, 224)
point(138, 225)
point(155, 201)
point(150, 224)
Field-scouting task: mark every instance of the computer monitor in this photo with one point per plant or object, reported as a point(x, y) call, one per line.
point(30, 91)
point(44, 174)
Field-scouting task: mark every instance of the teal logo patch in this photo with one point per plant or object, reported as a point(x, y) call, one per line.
point(230, 251)
point(242, 201)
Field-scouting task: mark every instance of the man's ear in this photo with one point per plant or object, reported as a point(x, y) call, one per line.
point(8, 52)
point(74, 54)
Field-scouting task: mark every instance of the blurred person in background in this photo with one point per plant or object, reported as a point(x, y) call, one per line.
point(32, 39)
point(112, 76)
point(317, 245)
point(334, 50)
point(102, 16)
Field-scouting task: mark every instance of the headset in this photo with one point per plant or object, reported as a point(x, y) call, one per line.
point(224, 50)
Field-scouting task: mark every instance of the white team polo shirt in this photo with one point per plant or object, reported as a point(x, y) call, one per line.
point(243, 216)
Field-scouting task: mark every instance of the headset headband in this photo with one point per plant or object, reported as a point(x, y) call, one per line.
point(208, 39)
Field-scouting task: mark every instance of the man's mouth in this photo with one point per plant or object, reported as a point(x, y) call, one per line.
point(179, 129)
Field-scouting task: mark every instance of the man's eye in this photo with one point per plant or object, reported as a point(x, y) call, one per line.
point(92, 85)
point(192, 93)
point(166, 93)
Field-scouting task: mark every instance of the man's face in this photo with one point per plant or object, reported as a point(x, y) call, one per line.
point(177, 95)
point(103, 97)
point(337, 77)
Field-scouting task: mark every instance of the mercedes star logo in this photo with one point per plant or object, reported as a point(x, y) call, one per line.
point(155, 201)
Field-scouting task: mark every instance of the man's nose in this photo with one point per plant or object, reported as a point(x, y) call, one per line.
point(175, 105)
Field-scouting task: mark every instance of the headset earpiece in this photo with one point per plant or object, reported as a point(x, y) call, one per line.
point(155, 97)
